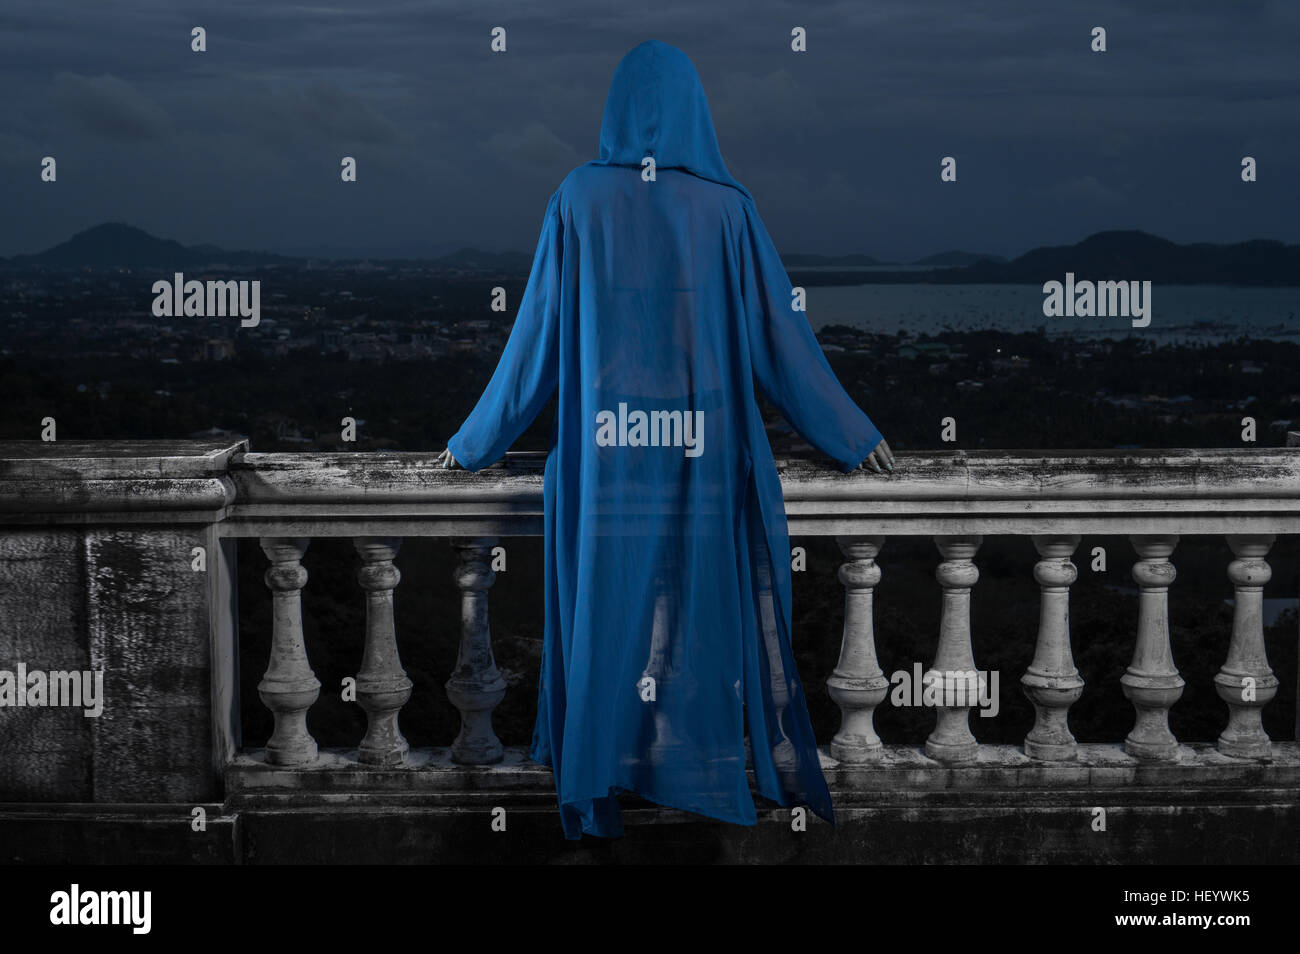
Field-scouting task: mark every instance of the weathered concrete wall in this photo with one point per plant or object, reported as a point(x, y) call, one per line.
point(97, 576)
point(1241, 828)
point(124, 601)
point(47, 752)
point(148, 627)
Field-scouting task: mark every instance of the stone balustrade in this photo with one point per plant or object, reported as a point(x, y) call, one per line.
point(98, 539)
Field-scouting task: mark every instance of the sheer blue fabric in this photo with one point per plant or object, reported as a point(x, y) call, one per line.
point(654, 307)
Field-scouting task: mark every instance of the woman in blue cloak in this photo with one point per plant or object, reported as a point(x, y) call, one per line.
point(656, 301)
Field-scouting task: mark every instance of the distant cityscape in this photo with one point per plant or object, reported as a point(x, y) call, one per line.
point(421, 340)
point(106, 315)
point(97, 326)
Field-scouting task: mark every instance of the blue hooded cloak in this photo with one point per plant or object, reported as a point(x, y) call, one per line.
point(654, 306)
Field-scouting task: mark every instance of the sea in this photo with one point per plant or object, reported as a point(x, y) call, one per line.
point(1186, 314)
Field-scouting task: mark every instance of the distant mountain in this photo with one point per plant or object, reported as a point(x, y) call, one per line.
point(942, 260)
point(955, 259)
point(1126, 255)
point(115, 245)
point(818, 261)
point(1140, 256)
point(109, 244)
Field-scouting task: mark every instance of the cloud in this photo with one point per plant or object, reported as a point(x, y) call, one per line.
point(532, 144)
point(319, 111)
point(772, 104)
point(837, 144)
point(1084, 189)
point(109, 107)
point(18, 150)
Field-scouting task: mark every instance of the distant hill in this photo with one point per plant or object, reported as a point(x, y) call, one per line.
point(1140, 256)
point(1114, 255)
point(819, 261)
point(955, 259)
point(942, 260)
point(1128, 255)
point(115, 245)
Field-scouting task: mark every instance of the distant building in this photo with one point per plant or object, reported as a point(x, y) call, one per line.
point(218, 349)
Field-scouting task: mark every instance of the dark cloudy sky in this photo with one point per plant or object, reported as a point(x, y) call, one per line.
point(840, 146)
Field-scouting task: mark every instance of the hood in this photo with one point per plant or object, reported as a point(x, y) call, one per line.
point(656, 107)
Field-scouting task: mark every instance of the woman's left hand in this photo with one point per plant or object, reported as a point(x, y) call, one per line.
point(880, 458)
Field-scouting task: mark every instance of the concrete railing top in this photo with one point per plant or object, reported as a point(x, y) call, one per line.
point(405, 494)
point(100, 481)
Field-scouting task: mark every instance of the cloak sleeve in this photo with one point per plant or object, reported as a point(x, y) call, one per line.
point(527, 374)
point(787, 360)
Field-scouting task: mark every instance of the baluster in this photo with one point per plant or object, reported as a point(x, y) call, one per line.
point(858, 685)
point(382, 685)
point(1152, 682)
point(1245, 736)
point(1052, 682)
point(953, 674)
point(476, 685)
point(289, 687)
